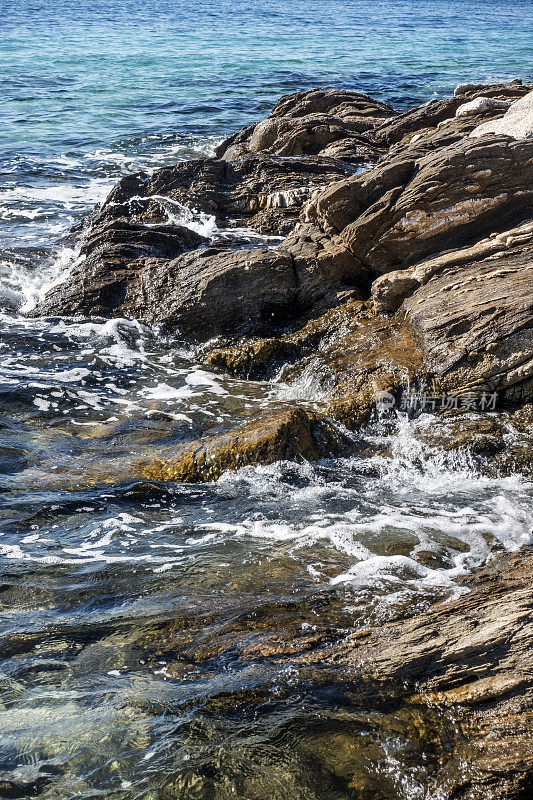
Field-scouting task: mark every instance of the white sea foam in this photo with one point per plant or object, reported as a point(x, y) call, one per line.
point(65, 194)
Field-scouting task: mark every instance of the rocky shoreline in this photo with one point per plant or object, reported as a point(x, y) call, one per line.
point(403, 261)
point(387, 258)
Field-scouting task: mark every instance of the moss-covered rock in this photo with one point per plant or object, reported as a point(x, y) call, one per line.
point(290, 434)
point(254, 359)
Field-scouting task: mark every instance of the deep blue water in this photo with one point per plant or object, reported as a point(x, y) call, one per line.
point(150, 635)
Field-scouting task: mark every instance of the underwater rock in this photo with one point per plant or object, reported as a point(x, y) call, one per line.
point(290, 434)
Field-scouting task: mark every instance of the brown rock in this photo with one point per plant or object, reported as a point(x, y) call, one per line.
point(291, 434)
point(309, 123)
point(410, 206)
point(105, 280)
point(262, 192)
point(472, 658)
point(474, 322)
point(213, 291)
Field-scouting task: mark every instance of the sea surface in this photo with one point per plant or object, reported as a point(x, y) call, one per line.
point(160, 641)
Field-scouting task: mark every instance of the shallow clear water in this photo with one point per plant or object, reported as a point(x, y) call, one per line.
point(164, 641)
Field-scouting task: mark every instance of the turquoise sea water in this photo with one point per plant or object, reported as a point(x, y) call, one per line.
point(163, 641)
point(89, 90)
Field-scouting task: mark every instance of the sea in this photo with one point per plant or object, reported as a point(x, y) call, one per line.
point(162, 641)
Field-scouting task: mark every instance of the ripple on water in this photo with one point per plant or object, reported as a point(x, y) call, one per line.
point(166, 641)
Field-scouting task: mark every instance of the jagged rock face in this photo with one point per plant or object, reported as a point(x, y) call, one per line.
point(213, 291)
point(474, 322)
point(263, 192)
point(323, 265)
point(125, 267)
point(412, 206)
point(318, 122)
point(423, 218)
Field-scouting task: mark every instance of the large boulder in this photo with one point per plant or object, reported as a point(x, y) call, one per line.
point(316, 122)
point(127, 265)
point(413, 205)
point(471, 313)
point(390, 290)
point(200, 293)
point(105, 279)
point(212, 291)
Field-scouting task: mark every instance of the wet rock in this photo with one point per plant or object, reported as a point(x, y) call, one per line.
point(314, 123)
point(472, 658)
point(200, 293)
point(127, 258)
point(290, 434)
point(253, 359)
point(480, 434)
point(261, 191)
point(213, 291)
point(106, 277)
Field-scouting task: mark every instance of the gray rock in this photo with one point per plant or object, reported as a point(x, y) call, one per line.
point(516, 122)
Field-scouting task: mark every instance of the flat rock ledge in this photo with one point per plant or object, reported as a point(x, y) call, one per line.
point(472, 660)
